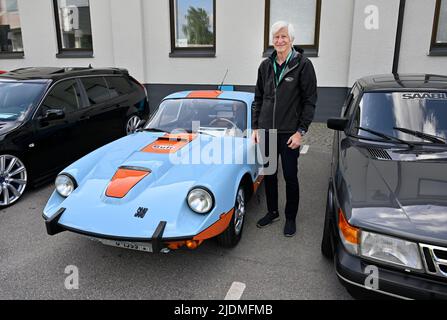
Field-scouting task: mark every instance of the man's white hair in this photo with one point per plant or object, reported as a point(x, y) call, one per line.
point(283, 24)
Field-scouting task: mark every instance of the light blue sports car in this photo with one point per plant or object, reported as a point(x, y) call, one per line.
point(182, 179)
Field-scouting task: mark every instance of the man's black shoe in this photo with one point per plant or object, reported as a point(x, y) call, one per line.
point(269, 218)
point(290, 228)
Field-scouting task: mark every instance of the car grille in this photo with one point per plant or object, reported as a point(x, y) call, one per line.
point(435, 259)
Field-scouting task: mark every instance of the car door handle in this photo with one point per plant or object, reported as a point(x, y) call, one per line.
point(85, 117)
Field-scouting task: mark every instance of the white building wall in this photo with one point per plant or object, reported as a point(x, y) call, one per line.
point(239, 47)
point(372, 50)
point(40, 41)
point(416, 38)
point(127, 29)
point(135, 34)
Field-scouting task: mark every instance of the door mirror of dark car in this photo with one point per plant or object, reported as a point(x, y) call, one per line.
point(53, 114)
point(339, 124)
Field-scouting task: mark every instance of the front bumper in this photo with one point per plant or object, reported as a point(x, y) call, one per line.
point(157, 241)
point(399, 284)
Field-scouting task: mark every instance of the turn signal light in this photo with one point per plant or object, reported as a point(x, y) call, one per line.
point(176, 245)
point(350, 233)
point(192, 244)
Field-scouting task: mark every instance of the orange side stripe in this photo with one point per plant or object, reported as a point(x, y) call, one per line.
point(123, 181)
point(217, 228)
point(205, 94)
point(257, 183)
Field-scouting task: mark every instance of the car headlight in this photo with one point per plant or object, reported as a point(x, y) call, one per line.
point(65, 184)
point(200, 200)
point(390, 250)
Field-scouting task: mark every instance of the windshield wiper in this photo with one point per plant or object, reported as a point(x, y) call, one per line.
point(386, 137)
point(422, 135)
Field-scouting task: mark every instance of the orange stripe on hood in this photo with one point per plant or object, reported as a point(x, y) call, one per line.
point(170, 143)
point(205, 94)
point(124, 180)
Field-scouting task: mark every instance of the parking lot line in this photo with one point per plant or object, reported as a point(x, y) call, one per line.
point(236, 291)
point(305, 149)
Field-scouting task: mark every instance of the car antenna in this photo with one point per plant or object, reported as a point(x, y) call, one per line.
point(221, 84)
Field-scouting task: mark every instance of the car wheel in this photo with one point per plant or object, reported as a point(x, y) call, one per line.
point(326, 244)
point(132, 124)
point(13, 179)
point(231, 236)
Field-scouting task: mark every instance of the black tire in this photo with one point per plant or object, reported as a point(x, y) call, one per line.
point(232, 235)
point(326, 242)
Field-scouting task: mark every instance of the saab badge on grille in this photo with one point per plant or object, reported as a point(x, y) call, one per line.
point(141, 212)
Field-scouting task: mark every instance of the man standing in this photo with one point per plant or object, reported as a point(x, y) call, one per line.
point(285, 98)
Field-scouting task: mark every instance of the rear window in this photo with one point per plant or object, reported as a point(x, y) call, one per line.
point(96, 88)
point(118, 86)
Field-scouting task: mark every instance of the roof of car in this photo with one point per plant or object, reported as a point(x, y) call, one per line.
point(213, 94)
point(53, 73)
point(403, 82)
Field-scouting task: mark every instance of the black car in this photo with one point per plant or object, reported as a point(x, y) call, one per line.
point(386, 215)
point(50, 117)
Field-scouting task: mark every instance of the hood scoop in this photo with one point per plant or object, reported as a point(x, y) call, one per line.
point(169, 143)
point(379, 154)
point(124, 180)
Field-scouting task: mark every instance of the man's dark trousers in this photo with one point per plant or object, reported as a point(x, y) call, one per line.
point(289, 161)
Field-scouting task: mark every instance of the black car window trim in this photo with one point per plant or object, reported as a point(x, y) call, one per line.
point(49, 91)
point(64, 79)
point(353, 99)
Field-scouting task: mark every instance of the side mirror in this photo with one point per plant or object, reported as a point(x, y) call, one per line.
point(338, 124)
point(54, 114)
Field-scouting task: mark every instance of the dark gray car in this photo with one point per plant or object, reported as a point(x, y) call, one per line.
point(386, 216)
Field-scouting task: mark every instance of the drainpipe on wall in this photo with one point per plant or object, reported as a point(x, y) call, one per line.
point(400, 23)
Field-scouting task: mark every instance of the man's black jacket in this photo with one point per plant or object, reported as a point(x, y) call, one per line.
point(291, 105)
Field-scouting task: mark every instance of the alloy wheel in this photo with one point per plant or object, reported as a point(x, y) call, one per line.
point(13, 179)
point(239, 213)
point(132, 124)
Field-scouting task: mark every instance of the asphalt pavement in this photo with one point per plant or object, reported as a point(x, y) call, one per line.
point(265, 264)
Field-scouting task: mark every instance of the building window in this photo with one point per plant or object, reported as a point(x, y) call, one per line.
point(11, 45)
point(305, 17)
point(439, 35)
point(193, 28)
point(73, 26)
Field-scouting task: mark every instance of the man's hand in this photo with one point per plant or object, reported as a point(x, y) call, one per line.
point(255, 137)
point(295, 141)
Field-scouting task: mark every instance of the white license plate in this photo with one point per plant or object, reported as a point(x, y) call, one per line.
point(146, 247)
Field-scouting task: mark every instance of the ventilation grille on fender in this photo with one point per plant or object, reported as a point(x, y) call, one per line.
point(379, 154)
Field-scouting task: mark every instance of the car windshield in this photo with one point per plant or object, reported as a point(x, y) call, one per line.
point(409, 116)
point(17, 98)
point(202, 115)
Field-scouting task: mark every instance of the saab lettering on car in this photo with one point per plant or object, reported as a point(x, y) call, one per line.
point(141, 212)
point(425, 95)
